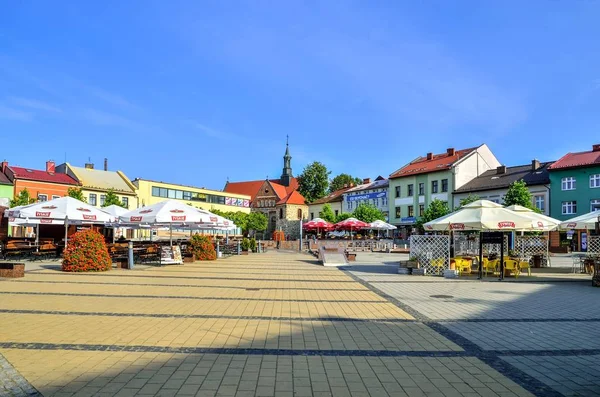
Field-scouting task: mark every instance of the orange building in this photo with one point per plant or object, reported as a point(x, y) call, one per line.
point(42, 185)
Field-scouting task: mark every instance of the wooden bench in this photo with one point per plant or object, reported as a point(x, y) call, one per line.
point(12, 270)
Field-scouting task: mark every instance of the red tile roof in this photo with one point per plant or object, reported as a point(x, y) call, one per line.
point(333, 197)
point(250, 188)
point(42, 176)
point(293, 198)
point(579, 159)
point(4, 179)
point(438, 162)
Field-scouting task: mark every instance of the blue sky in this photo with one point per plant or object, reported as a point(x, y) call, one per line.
point(195, 92)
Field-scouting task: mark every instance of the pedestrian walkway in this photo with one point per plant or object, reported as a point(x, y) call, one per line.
point(257, 325)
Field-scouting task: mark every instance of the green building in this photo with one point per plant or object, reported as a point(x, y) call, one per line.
point(434, 176)
point(6, 190)
point(575, 184)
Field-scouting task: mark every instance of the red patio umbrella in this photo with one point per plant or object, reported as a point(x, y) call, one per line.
point(317, 224)
point(351, 224)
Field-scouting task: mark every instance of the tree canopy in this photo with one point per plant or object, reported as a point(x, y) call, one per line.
point(327, 213)
point(256, 221)
point(313, 181)
point(76, 193)
point(112, 199)
point(368, 213)
point(23, 198)
point(339, 181)
point(469, 199)
point(343, 216)
point(435, 209)
point(518, 194)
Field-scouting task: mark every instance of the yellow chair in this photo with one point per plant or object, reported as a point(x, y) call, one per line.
point(490, 266)
point(525, 265)
point(439, 265)
point(512, 266)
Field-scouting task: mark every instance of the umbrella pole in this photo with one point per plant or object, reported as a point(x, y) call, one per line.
point(171, 234)
point(66, 229)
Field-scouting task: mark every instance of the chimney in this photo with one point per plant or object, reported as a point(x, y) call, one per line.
point(4, 165)
point(50, 166)
point(535, 164)
point(366, 180)
point(89, 166)
point(596, 148)
point(429, 156)
point(450, 151)
point(501, 169)
point(105, 164)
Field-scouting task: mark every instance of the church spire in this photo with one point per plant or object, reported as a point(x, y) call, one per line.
point(286, 176)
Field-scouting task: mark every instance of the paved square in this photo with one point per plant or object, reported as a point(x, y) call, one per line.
point(278, 324)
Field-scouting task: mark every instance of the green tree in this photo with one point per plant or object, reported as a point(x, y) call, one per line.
point(76, 193)
point(112, 199)
point(339, 181)
point(368, 213)
point(518, 194)
point(256, 221)
point(23, 198)
point(327, 213)
point(313, 181)
point(469, 199)
point(343, 216)
point(436, 209)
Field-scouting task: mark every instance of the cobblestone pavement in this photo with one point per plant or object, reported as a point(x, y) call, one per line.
point(547, 331)
point(278, 324)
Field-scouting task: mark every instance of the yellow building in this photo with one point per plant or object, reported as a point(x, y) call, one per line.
point(151, 192)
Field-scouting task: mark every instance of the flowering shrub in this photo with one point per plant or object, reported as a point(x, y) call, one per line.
point(86, 252)
point(202, 248)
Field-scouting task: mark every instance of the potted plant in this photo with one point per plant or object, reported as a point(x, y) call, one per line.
point(245, 245)
point(252, 244)
point(412, 262)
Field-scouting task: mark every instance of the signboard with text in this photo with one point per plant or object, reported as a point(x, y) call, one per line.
point(366, 196)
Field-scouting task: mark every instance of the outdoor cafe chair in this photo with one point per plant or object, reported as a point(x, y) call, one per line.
point(512, 266)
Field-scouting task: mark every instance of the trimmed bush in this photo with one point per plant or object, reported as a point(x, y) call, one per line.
point(245, 244)
point(86, 252)
point(253, 244)
point(202, 248)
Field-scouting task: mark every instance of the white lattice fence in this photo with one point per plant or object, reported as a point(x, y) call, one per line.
point(495, 248)
point(528, 246)
point(594, 244)
point(433, 252)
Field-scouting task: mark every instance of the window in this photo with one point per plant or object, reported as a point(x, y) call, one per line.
point(421, 209)
point(155, 191)
point(376, 202)
point(125, 201)
point(568, 183)
point(92, 198)
point(312, 216)
point(384, 201)
point(539, 202)
point(336, 213)
point(444, 185)
point(410, 190)
point(434, 186)
point(299, 213)
point(569, 207)
point(397, 191)
point(595, 205)
point(281, 213)
point(172, 193)
point(102, 199)
point(594, 181)
point(42, 197)
point(421, 189)
point(411, 211)
point(349, 205)
point(55, 197)
point(179, 194)
point(187, 195)
point(398, 212)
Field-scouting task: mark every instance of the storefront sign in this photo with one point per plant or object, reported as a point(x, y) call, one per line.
point(367, 196)
point(408, 220)
point(492, 238)
point(584, 242)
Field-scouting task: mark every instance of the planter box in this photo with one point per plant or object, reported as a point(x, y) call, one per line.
point(409, 264)
point(419, 272)
point(450, 273)
point(404, 270)
point(12, 270)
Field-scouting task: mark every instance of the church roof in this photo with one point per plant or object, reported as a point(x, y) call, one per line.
point(293, 198)
point(250, 188)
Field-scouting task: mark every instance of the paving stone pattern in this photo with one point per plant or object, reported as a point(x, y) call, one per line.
point(274, 324)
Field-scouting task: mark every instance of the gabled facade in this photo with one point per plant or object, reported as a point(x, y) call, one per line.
point(42, 185)
point(434, 176)
point(374, 193)
point(493, 184)
point(334, 200)
point(96, 183)
point(575, 181)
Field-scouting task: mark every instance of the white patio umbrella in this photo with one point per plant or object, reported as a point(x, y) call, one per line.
point(381, 225)
point(585, 221)
point(66, 209)
point(115, 211)
point(166, 213)
point(542, 221)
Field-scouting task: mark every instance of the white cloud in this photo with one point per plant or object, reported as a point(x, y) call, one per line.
point(34, 104)
point(14, 114)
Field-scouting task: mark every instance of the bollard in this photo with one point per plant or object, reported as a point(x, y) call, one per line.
point(239, 248)
point(130, 264)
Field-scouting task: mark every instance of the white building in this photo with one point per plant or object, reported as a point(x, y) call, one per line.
point(374, 193)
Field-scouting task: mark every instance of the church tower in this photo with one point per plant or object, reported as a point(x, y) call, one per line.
point(286, 176)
